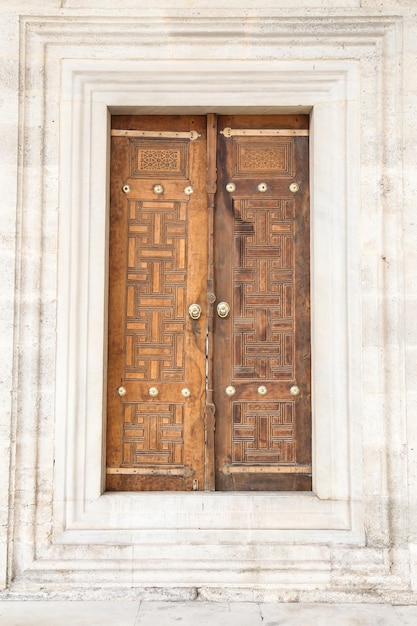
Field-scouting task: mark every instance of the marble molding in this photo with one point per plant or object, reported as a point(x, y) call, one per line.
point(350, 538)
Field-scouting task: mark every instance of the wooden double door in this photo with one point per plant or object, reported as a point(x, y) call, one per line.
point(209, 314)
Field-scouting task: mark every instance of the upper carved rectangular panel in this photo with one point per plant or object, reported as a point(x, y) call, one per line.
point(155, 158)
point(273, 156)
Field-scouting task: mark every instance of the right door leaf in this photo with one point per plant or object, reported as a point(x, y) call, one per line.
point(262, 347)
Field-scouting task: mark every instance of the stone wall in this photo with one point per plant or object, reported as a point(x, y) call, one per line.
point(67, 66)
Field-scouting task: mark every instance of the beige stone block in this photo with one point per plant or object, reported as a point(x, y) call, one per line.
point(340, 614)
point(72, 614)
point(373, 419)
point(217, 614)
point(413, 563)
point(376, 522)
point(410, 323)
point(406, 614)
point(255, 6)
point(371, 324)
point(375, 470)
point(411, 371)
point(372, 381)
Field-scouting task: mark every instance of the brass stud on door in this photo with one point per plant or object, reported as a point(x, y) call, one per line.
point(294, 390)
point(186, 392)
point(126, 188)
point(262, 390)
point(121, 391)
point(188, 190)
point(230, 187)
point(158, 189)
point(153, 392)
point(294, 187)
point(262, 187)
point(230, 391)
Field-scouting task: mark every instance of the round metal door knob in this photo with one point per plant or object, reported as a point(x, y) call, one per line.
point(158, 189)
point(223, 309)
point(262, 187)
point(121, 391)
point(194, 311)
point(230, 390)
point(230, 187)
point(186, 392)
point(188, 190)
point(262, 390)
point(294, 390)
point(126, 188)
point(153, 392)
point(294, 187)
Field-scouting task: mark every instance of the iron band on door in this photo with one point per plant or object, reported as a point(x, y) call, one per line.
point(209, 317)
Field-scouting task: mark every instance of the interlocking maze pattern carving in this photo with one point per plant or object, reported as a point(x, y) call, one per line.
point(263, 432)
point(153, 433)
point(263, 294)
point(156, 291)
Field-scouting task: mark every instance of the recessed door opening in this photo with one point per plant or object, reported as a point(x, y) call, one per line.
point(209, 304)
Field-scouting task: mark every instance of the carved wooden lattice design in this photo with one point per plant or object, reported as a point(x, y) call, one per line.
point(263, 432)
point(156, 291)
point(153, 434)
point(158, 157)
point(263, 299)
point(157, 267)
point(161, 161)
point(252, 158)
point(256, 260)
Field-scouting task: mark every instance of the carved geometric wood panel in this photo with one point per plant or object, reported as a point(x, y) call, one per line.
point(263, 298)
point(257, 158)
point(154, 158)
point(263, 432)
point(152, 434)
point(262, 352)
point(250, 247)
point(156, 291)
point(157, 268)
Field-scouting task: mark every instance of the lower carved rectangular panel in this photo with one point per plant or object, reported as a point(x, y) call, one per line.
point(263, 432)
point(153, 434)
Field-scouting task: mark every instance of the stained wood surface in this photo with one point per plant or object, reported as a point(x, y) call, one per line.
point(249, 248)
point(158, 266)
point(262, 271)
